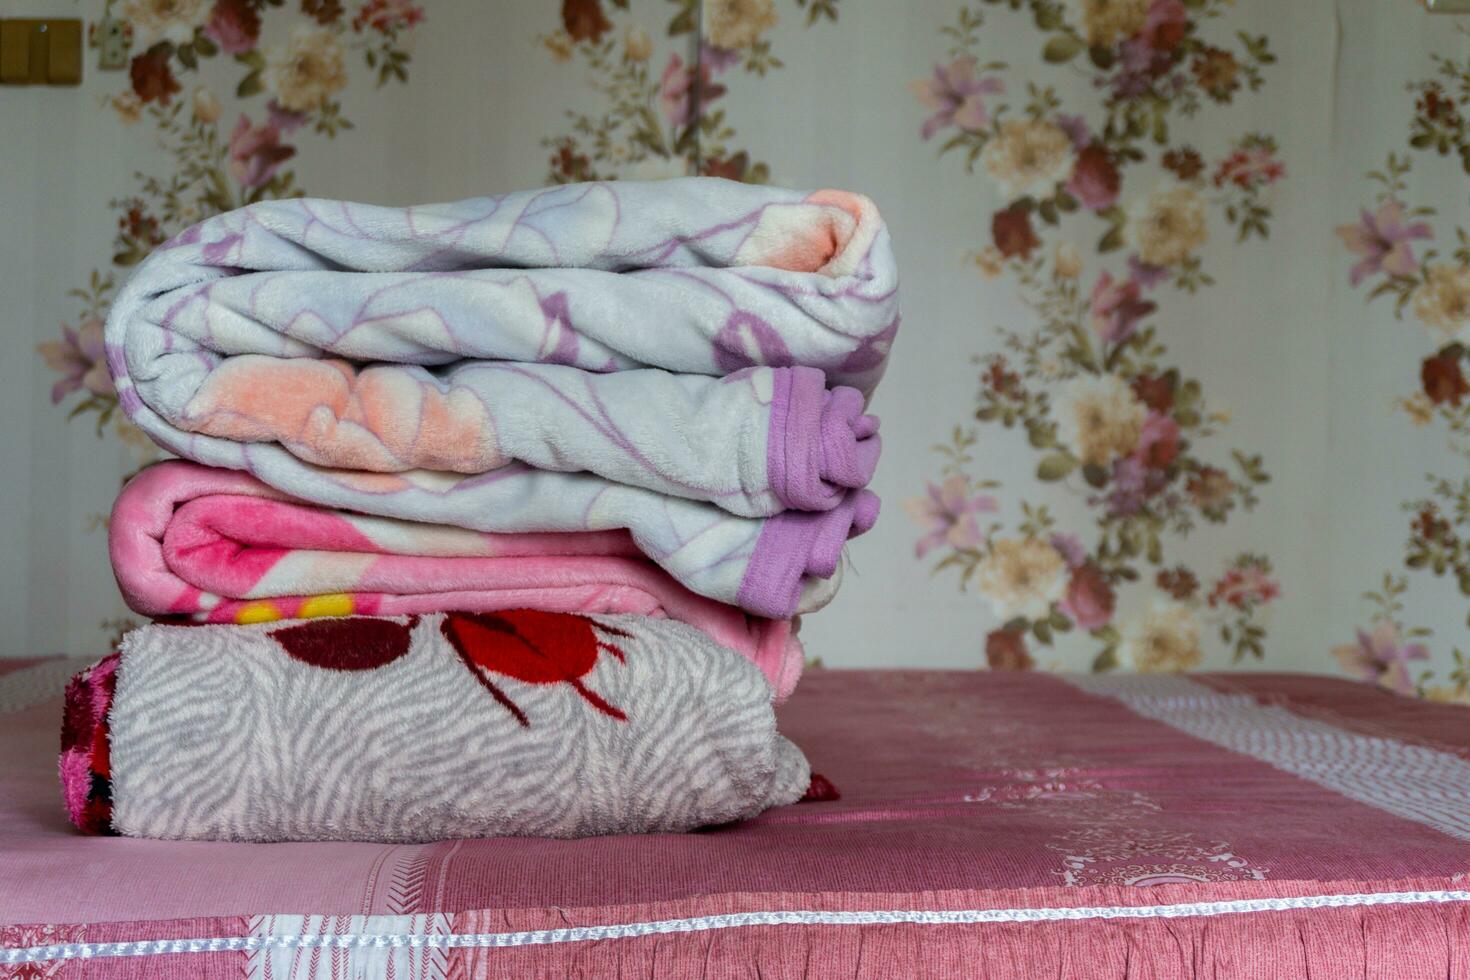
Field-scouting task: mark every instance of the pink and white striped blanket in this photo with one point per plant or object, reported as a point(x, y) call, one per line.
point(219, 546)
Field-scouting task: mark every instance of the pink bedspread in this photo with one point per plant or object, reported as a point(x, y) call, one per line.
point(991, 824)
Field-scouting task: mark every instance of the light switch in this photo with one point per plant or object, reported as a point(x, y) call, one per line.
point(40, 52)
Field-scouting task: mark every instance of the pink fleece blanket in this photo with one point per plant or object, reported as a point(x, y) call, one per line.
point(220, 546)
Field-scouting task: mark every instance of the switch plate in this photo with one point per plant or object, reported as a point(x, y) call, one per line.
point(40, 52)
point(112, 37)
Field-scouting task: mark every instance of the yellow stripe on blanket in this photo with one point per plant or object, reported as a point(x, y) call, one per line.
point(334, 604)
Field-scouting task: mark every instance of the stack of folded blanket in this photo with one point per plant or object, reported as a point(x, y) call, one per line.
point(493, 517)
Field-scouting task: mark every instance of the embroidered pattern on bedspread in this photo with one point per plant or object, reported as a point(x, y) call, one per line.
point(1409, 781)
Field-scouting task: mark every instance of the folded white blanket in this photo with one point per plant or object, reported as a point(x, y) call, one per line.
point(338, 352)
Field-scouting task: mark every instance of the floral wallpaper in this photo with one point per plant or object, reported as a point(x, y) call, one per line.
point(229, 112)
point(664, 122)
point(1100, 211)
point(1118, 162)
point(1410, 258)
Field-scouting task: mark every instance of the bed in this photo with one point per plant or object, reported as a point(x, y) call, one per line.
point(991, 825)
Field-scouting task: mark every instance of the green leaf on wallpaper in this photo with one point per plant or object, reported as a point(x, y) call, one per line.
point(1096, 476)
point(187, 57)
point(1062, 48)
point(1105, 661)
point(204, 45)
point(1055, 467)
point(1161, 129)
point(1112, 239)
point(249, 85)
point(1102, 56)
point(252, 58)
point(1041, 629)
point(686, 20)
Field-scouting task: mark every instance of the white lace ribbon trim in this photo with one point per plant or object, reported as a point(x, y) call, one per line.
point(500, 940)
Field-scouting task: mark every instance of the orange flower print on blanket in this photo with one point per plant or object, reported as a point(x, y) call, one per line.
point(380, 420)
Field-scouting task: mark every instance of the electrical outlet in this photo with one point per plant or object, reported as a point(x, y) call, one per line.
point(113, 39)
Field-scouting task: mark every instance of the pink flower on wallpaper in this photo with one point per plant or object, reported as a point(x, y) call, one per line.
point(1089, 600)
point(1165, 26)
point(1076, 129)
point(1383, 240)
point(1254, 166)
point(1381, 657)
point(387, 16)
point(1095, 180)
point(81, 360)
point(1134, 482)
point(955, 95)
point(234, 25)
point(285, 120)
point(1117, 308)
point(948, 514)
point(1147, 276)
point(256, 152)
point(1070, 547)
point(676, 90)
point(1244, 586)
point(1158, 442)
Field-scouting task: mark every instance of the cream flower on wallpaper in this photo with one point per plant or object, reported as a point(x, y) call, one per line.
point(988, 260)
point(1066, 261)
point(1418, 408)
point(1022, 577)
point(637, 45)
point(1028, 156)
point(1164, 638)
point(164, 20)
point(307, 70)
point(560, 44)
point(732, 24)
point(206, 106)
point(1168, 226)
point(128, 106)
point(1106, 22)
point(1098, 418)
point(1442, 301)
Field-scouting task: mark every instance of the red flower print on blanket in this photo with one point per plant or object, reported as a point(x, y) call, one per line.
point(347, 644)
point(533, 647)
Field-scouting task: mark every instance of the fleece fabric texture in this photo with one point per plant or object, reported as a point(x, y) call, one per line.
point(219, 546)
point(339, 353)
point(454, 725)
